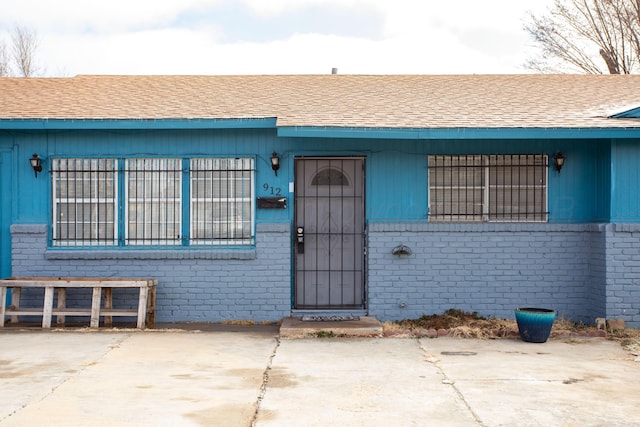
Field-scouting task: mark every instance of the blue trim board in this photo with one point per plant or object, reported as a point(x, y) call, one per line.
point(327, 131)
point(112, 124)
point(459, 133)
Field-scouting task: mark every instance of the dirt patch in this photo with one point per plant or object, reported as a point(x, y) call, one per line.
point(458, 323)
point(454, 323)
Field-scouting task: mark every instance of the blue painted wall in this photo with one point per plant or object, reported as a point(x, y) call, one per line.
point(581, 191)
point(625, 178)
point(597, 185)
point(397, 187)
point(233, 143)
point(6, 206)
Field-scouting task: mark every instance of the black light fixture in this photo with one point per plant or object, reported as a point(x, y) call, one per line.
point(275, 162)
point(558, 160)
point(36, 163)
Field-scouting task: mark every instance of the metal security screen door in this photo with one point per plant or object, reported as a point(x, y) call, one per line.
point(329, 234)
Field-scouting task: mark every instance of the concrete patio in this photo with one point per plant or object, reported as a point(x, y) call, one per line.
point(243, 376)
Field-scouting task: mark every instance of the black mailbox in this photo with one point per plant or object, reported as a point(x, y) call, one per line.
point(272, 202)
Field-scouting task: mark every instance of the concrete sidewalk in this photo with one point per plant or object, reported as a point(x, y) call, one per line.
point(251, 377)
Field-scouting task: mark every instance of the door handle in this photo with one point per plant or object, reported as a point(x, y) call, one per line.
point(300, 239)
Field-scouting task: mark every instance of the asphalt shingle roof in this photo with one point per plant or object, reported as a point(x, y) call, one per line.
point(362, 101)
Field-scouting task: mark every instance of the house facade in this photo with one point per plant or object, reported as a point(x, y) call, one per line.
point(264, 197)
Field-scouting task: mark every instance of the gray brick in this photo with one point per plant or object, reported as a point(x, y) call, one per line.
point(581, 270)
point(198, 285)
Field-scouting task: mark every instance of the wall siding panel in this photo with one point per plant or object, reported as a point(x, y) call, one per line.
point(6, 209)
point(625, 203)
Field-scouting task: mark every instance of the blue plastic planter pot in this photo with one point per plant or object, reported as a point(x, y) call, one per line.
point(534, 324)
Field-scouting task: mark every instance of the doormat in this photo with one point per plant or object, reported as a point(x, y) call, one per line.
point(329, 318)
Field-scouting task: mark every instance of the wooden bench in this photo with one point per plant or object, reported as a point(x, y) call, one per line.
point(145, 312)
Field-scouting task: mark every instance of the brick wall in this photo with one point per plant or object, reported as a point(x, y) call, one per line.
point(597, 293)
point(623, 273)
point(488, 268)
point(199, 285)
point(583, 271)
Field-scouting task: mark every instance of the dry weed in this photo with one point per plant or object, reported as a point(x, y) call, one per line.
point(628, 338)
point(457, 323)
point(471, 325)
point(239, 322)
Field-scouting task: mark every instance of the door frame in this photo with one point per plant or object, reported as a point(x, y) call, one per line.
point(364, 248)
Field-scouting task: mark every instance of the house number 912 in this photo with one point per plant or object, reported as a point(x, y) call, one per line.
point(274, 191)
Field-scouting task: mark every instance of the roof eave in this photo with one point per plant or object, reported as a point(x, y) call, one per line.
point(140, 124)
point(458, 133)
point(323, 131)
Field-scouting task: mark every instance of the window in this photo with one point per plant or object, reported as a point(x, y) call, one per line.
point(221, 201)
point(154, 211)
point(330, 176)
point(153, 202)
point(84, 202)
point(498, 188)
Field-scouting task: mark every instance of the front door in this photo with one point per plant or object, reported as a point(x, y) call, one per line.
point(329, 234)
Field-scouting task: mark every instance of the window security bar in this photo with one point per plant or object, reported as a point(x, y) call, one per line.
point(153, 202)
point(222, 201)
point(496, 188)
point(84, 194)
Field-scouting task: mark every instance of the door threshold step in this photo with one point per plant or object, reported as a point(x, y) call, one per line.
point(363, 326)
point(330, 318)
point(356, 312)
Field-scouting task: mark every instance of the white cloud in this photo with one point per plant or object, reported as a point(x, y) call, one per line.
point(268, 8)
point(95, 15)
point(138, 37)
point(170, 51)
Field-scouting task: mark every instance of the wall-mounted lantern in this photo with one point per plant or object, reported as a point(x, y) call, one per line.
point(401, 250)
point(558, 161)
point(36, 163)
point(275, 162)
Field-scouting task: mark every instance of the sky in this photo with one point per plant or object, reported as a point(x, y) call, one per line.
point(215, 37)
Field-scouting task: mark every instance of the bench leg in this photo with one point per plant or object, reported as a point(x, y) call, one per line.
point(95, 307)
point(62, 304)
point(151, 308)
point(15, 302)
point(142, 306)
point(47, 308)
point(108, 304)
point(3, 304)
